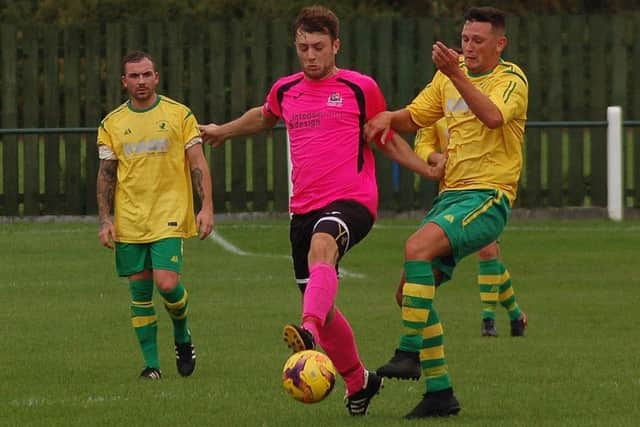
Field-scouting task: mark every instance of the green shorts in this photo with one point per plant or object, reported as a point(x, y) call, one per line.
point(165, 254)
point(471, 219)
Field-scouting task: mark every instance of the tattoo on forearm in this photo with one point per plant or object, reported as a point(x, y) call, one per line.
point(196, 179)
point(106, 186)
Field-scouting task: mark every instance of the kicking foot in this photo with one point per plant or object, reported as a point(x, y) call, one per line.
point(298, 338)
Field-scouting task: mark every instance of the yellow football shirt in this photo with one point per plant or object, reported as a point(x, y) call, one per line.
point(154, 197)
point(431, 139)
point(479, 157)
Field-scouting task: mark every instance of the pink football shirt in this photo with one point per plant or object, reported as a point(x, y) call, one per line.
point(325, 119)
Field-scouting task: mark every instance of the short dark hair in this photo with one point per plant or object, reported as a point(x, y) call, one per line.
point(136, 56)
point(317, 19)
point(494, 16)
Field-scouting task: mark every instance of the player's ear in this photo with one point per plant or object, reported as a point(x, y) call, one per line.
point(502, 44)
point(336, 46)
point(123, 81)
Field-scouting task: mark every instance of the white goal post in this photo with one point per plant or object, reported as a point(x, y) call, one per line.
point(615, 189)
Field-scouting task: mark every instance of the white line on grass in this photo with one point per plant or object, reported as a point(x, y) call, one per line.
point(35, 402)
point(346, 273)
point(230, 247)
point(226, 245)
point(45, 231)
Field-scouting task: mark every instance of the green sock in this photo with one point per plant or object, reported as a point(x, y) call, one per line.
point(144, 320)
point(434, 365)
point(417, 296)
point(177, 304)
point(489, 277)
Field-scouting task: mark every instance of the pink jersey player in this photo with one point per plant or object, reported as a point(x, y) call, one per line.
point(335, 196)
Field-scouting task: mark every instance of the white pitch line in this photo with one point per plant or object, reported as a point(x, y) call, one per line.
point(230, 247)
point(346, 273)
point(226, 245)
point(85, 401)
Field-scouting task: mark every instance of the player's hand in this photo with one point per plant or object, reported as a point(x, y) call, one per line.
point(204, 223)
point(211, 134)
point(376, 129)
point(434, 168)
point(437, 167)
point(107, 234)
point(445, 59)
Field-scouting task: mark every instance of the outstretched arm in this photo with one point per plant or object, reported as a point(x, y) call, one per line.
point(252, 121)
point(106, 186)
point(399, 150)
point(377, 128)
point(201, 181)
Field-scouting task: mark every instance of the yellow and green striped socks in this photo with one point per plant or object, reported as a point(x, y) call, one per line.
point(177, 304)
point(423, 331)
point(494, 281)
point(432, 361)
point(144, 320)
point(417, 298)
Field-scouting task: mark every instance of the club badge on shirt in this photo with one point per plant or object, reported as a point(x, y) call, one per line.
point(335, 100)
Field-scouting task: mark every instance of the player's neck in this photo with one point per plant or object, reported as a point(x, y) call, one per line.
point(332, 72)
point(487, 69)
point(138, 104)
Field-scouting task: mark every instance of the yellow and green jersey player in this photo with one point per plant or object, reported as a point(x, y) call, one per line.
point(151, 158)
point(494, 279)
point(484, 102)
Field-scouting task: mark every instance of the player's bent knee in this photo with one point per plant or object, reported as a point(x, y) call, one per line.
point(323, 248)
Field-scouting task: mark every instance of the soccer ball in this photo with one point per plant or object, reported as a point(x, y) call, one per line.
point(308, 376)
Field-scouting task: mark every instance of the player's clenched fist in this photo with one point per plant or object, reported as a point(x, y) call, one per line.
point(211, 134)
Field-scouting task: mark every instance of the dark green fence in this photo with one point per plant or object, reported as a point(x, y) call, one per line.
point(53, 171)
point(68, 77)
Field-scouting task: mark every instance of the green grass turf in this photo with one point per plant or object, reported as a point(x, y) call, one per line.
point(70, 357)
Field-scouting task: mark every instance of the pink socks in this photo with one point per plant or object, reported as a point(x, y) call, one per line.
point(337, 340)
point(319, 296)
point(335, 337)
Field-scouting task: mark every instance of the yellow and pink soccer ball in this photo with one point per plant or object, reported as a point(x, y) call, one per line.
point(308, 376)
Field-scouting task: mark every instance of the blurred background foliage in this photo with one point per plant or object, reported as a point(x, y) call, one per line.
point(84, 11)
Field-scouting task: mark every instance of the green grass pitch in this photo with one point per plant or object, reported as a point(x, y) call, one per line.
point(69, 356)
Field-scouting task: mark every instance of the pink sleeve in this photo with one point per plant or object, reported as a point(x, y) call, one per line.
point(375, 101)
point(271, 106)
point(376, 104)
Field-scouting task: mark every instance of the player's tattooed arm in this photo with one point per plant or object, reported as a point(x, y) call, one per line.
point(201, 181)
point(196, 180)
point(106, 185)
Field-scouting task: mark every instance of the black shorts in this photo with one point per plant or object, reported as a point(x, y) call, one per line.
point(347, 221)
